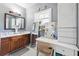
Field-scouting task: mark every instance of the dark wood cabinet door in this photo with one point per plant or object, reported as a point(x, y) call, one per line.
point(14, 43)
point(34, 39)
point(5, 46)
point(22, 41)
point(26, 39)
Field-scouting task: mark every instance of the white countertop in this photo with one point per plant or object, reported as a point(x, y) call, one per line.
point(14, 34)
point(35, 33)
point(56, 42)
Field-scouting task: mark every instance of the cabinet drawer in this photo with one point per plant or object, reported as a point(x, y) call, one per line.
point(44, 45)
point(64, 51)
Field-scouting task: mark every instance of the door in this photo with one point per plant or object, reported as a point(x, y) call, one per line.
point(5, 46)
point(67, 23)
point(14, 43)
point(27, 39)
point(34, 38)
point(21, 42)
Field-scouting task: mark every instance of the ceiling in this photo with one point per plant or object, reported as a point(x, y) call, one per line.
point(26, 5)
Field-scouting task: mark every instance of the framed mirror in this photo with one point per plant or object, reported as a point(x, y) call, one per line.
point(10, 21)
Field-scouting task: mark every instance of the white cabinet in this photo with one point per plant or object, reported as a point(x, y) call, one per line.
point(67, 23)
point(67, 40)
point(64, 51)
point(43, 16)
point(67, 15)
point(60, 47)
point(67, 36)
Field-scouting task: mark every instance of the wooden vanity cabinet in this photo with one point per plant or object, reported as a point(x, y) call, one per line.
point(22, 41)
point(5, 46)
point(34, 39)
point(13, 43)
point(27, 37)
point(19, 42)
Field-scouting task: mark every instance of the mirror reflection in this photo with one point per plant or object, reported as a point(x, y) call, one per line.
point(11, 21)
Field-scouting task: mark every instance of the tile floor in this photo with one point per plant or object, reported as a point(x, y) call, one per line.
point(28, 51)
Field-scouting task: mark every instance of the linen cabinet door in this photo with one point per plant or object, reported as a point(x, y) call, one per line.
point(67, 23)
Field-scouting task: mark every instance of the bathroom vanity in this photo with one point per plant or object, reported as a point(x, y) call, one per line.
point(10, 43)
point(60, 48)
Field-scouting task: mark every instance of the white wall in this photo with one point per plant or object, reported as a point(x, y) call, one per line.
point(6, 7)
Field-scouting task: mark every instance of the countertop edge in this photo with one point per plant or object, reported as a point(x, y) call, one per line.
point(56, 42)
point(16, 34)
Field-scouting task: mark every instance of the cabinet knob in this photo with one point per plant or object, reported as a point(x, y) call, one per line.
point(50, 47)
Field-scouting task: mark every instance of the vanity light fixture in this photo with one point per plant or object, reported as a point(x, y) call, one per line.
point(14, 13)
point(11, 12)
